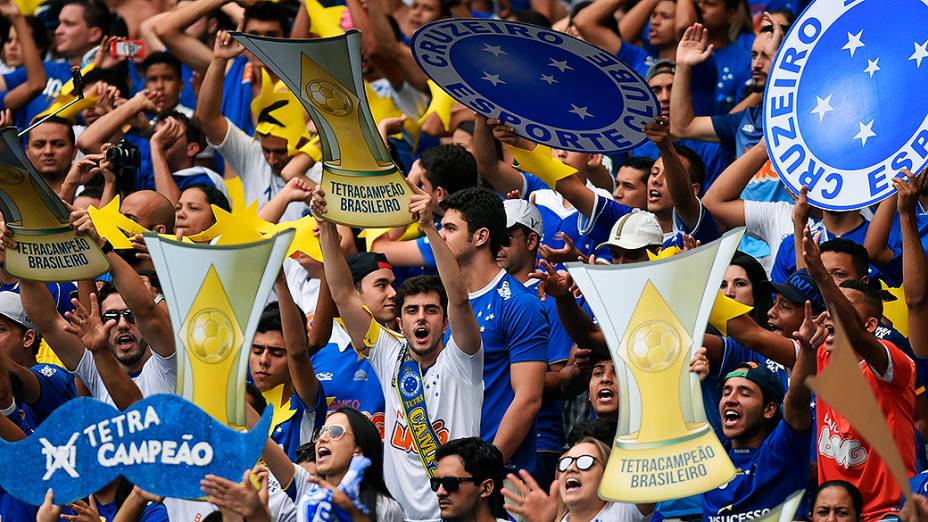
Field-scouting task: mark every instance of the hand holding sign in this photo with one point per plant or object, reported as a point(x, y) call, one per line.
point(909, 187)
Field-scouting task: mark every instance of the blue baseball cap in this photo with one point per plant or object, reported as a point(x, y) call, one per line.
point(766, 380)
point(799, 288)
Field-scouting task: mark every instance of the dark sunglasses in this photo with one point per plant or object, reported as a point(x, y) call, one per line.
point(584, 462)
point(451, 484)
point(114, 315)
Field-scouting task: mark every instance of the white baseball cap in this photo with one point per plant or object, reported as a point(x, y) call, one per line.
point(521, 212)
point(11, 307)
point(635, 230)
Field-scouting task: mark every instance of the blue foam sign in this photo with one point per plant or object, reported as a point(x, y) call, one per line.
point(549, 87)
point(841, 109)
point(163, 444)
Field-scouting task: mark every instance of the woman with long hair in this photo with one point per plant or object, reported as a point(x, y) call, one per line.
point(746, 281)
point(346, 433)
point(193, 212)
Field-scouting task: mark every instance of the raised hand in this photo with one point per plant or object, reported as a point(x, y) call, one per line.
point(89, 327)
point(553, 283)
point(776, 37)
point(700, 363)
point(508, 136)
point(167, 134)
point(420, 206)
point(812, 331)
point(568, 252)
point(48, 511)
point(82, 224)
point(529, 500)
point(297, 189)
point(909, 188)
point(802, 209)
point(812, 255)
point(9, 9)
point(226, 47)
point(317, 203)
point(240, 498)
point(694, 47)
point(86, 511)
point(658, 131)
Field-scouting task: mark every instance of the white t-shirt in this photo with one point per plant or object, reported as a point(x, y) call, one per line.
point(614, 512)
point(453, 398)
point(158, 375)
point(243, 153)
point(770, 222)
point(407, 99)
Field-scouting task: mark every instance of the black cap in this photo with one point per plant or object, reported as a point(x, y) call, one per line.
point(766, 380)
point(799, 288)
point(365, 263)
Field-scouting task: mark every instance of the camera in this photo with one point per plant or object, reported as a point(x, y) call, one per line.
point(124, 155)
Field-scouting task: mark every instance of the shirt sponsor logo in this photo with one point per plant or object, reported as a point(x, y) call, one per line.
point(847, 453)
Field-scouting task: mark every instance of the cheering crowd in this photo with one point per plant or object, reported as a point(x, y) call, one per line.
point(470, 310)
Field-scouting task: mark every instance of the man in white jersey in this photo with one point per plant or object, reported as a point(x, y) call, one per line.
point(432, 394)
point(142, 340)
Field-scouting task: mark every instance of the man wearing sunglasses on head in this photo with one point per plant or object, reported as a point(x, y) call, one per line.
point(433, 392)
point(468, 481)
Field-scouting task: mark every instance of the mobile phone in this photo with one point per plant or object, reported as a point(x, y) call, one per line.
point(124, 48)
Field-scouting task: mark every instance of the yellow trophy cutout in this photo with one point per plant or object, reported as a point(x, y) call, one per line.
point(47, 248)
point(364, 188)
point(215, 295)
point(664, 446)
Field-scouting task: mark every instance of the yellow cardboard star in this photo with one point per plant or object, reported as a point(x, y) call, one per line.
point(231, 229)
point(304, 238)
point(664, 253)
point(324, 21)
point(28, 7)
point(249, 218)
point(724, 310)
point(278, 113)
point(440, 104)
point(897, 311)
point(236, 191)
point(541, 163)
point(413, 231)
point(283, 411)
point(112, 225)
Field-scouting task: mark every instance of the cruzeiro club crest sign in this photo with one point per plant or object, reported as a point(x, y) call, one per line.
point(550, 87)
point(843, 112)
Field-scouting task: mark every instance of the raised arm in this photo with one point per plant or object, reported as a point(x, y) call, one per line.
point(40, 307)
point(159, 142)
point(209, 102)
point(9, 431)
point(685, 16)
point(914, 263)
point(293, 322)
point(865, 343)
point(581, 329)
point(800, 216)
point(692, 50)
point(723, 199)
point(502, 176)
point(461, 317)
point(591, 22)
point(35, 70)
point(152, 319)
point(391, 57)
point(678, 179)
point(172, 33)
point(109, 125)
point(877, 238)
point(635, 19)
point(772, 346)
point(297, 189)
point(320, 330)
point(811, 334)
point(350, 306)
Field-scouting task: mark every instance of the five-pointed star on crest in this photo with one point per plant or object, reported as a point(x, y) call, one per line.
point(866, 132)
point(495, 50)
point(823, 105)
point(492, 78)
point(872, 66)
point(921, 52)
point(548, 78)
point(853, 42)
point(580, 111)
point(560, 65)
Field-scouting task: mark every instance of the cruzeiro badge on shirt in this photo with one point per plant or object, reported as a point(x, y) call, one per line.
point(549, 87)
point(363, 187)
point(841, 113)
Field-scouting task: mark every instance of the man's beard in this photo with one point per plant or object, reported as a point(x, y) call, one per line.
point(131, 359)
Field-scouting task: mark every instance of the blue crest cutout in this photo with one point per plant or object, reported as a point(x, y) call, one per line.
point(163, 444)
point(842, 113)
point(550, 87)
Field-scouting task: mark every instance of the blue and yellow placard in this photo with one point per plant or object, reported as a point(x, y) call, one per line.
point(839, 111)
point(162, 444)
point(549, 87)
point(47, 248)
point(653, 316)
point(364, 188)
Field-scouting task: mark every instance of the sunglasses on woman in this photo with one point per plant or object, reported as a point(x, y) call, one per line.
point(334, 431)
point(451, 484)
point(584, 462)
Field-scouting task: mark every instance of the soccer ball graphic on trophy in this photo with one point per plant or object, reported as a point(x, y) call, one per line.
point(211, 335)
point(654, 346)
point(328, 97)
